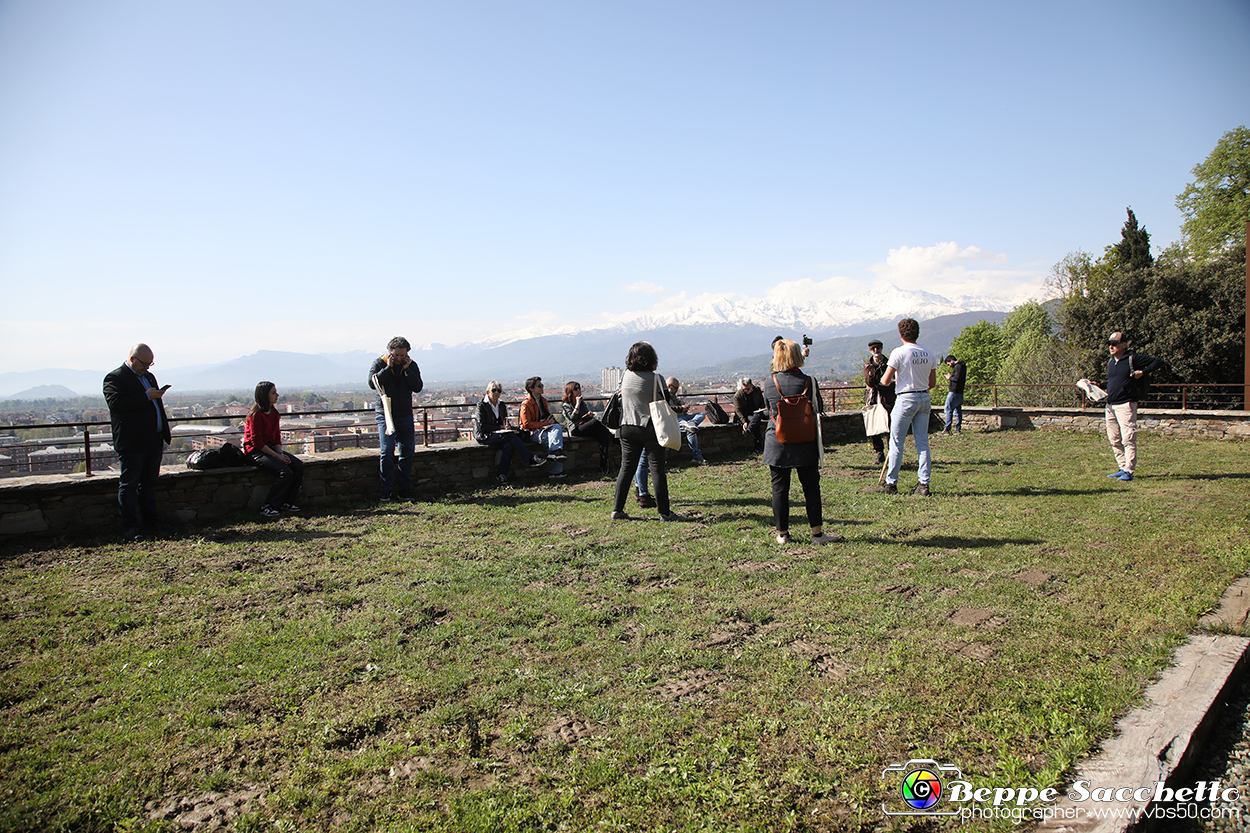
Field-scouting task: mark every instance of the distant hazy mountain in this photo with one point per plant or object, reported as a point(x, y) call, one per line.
point(718, 339)
point(44, 392)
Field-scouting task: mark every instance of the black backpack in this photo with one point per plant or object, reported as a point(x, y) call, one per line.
point(715, 414)
point(232, 455)
point(205, 458)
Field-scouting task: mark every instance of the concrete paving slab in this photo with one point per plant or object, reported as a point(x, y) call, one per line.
point(1233, 611)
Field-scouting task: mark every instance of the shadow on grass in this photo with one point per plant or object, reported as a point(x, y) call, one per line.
point(954, 542)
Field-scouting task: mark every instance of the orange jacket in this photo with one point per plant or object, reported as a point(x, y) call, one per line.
point(534, 413)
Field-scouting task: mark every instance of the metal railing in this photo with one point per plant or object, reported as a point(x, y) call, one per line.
point(836, 398)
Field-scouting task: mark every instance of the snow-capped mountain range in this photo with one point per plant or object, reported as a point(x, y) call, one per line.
point(712, 337)
point(840, 317)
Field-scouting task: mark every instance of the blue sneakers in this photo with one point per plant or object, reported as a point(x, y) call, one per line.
point(1125, 476)
point(1117, 474)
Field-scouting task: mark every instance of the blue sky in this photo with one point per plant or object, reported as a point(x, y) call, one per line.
point(216, 178)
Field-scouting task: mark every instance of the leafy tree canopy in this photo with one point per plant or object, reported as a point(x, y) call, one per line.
point(1216, 204)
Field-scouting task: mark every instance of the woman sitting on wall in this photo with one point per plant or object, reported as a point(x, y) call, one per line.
point(583, 423)
point(490, 427)
point(262, 443)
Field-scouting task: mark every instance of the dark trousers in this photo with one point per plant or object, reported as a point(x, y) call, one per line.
point(634, 439)
point(288, 476)
point(755, 425)
point(809, 478)
point(509, 443)
point(596, 430)
point(136, 487)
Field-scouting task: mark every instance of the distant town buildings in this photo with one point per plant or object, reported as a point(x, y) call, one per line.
point(610, 379)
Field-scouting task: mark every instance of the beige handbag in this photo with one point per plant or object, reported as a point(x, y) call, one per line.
point(667, 430)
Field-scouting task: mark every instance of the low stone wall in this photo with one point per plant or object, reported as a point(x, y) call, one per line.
point(1220, 425)
point(63, 504)
point(73, 503)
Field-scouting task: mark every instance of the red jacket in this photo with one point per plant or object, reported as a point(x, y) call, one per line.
point(260, 430)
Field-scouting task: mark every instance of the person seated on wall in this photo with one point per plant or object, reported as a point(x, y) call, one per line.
point(490, 427)
point(262, 443)
point(537, 419)
point(584, 423)
point(688, 422)
point(750, 411)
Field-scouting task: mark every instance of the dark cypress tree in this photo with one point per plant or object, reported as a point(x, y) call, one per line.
point(1134, 246)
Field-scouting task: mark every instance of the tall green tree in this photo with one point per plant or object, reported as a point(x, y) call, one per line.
point(1191, 315)
point(1216, 204)
point(1133, 250)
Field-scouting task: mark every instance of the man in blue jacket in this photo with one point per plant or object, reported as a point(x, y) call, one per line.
point(1125, 372)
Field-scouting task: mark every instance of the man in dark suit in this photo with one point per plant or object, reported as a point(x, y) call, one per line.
point(140, 432)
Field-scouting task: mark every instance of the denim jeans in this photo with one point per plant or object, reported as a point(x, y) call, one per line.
point(911, 410)
point(552, 439)
point(405, 436)
point(640, 476)
point(688, 423)
point(955, 408)
point(136, 487)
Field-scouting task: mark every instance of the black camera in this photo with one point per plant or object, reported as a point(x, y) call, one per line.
point(807, 342)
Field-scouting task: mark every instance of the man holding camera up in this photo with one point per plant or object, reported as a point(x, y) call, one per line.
point(395, 377)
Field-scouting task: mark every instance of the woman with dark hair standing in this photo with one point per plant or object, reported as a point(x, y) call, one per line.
point(787, 380)
point(585, 424)
point(262, 443)
point(640, 386)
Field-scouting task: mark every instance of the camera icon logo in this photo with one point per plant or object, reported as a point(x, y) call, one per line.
point(920, 787)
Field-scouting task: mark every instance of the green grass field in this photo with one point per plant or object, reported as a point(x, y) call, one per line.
point(514, 661)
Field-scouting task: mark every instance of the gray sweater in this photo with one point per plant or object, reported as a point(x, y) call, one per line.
point(638, 390)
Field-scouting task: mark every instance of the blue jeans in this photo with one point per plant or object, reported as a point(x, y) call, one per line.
point(911, 410)
point(955, 407)
point(691, 420)
point(552, 439)
point(405, 437)
point(640, 476)
point(508, 443)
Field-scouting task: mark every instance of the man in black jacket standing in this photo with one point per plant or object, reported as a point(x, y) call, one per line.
point(955, 398)
point(140, 432)
point(1125, 371)
point(396, 376)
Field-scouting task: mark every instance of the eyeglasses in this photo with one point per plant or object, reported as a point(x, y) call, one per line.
point(495, 390)
point(1112, 343)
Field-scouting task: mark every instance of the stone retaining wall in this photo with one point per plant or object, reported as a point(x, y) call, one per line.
point(1220, 425)
point(74, 503)
point(63, 503)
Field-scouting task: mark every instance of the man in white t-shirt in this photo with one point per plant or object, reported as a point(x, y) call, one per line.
point(913, 370)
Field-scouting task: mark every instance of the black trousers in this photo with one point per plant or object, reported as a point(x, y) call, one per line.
point(289, 477)
point(809, 478)
point(597, 431)
point(634, 439)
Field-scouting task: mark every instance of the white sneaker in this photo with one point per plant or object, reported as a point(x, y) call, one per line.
point(825, 538)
